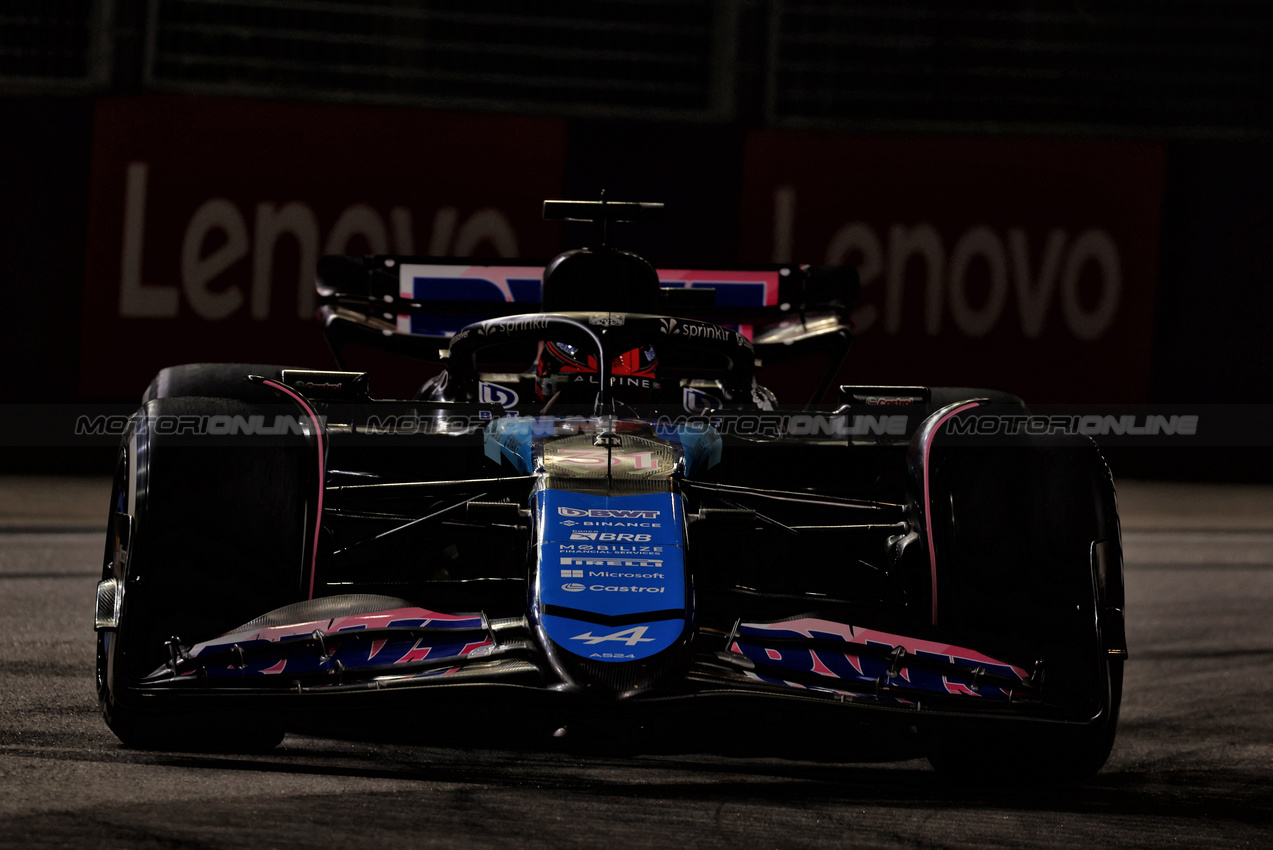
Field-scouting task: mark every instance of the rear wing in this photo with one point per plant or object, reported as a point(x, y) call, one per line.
point(413, 305)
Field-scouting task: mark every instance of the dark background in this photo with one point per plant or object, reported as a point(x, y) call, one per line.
point(655, 101)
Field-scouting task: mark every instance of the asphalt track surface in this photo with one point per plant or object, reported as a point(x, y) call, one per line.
point(1192, 766)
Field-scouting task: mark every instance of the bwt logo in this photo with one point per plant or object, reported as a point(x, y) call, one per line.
point(489, 393)
point(607, 512)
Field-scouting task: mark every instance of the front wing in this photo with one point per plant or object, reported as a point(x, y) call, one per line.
point(291, 662)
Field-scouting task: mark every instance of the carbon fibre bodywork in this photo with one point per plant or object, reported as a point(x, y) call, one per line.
point(479, 546)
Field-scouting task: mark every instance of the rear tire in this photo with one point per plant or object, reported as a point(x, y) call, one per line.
point(942, 396)
point(216, 380)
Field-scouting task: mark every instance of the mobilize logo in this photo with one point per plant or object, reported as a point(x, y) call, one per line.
point(610, 548)
point(631, 637)
point(600, 513)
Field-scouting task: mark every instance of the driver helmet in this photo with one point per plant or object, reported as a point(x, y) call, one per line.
point(562, 368)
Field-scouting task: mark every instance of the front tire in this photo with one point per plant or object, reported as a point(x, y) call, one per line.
point(218, 533)
point(1030, 566)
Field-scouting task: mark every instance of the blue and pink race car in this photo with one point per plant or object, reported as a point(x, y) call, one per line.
point(593, 517)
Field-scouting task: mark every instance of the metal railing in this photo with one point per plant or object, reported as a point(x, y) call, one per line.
point(55, 46)
point(665, 58)
point(1165, 69)
point(1170, 67)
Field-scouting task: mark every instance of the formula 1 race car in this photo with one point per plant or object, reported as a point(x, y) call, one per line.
point(593, 514)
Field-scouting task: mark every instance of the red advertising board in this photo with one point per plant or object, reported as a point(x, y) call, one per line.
point(207, 217)
point(1016, 264)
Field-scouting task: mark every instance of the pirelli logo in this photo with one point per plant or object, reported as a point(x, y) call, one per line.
point(643, 563)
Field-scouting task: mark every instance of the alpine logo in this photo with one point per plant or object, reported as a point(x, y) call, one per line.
point(607, 512)
point(631, 637)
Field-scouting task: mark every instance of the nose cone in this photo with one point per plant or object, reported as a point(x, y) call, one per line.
point(612, 597)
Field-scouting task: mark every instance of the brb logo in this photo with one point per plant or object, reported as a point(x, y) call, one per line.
point(610, 536)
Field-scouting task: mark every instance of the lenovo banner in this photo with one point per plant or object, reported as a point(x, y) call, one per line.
point(207, 217)
point(1016, 264)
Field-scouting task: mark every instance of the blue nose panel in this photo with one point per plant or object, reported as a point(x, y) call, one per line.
point(605, 561)
point(613, 643)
